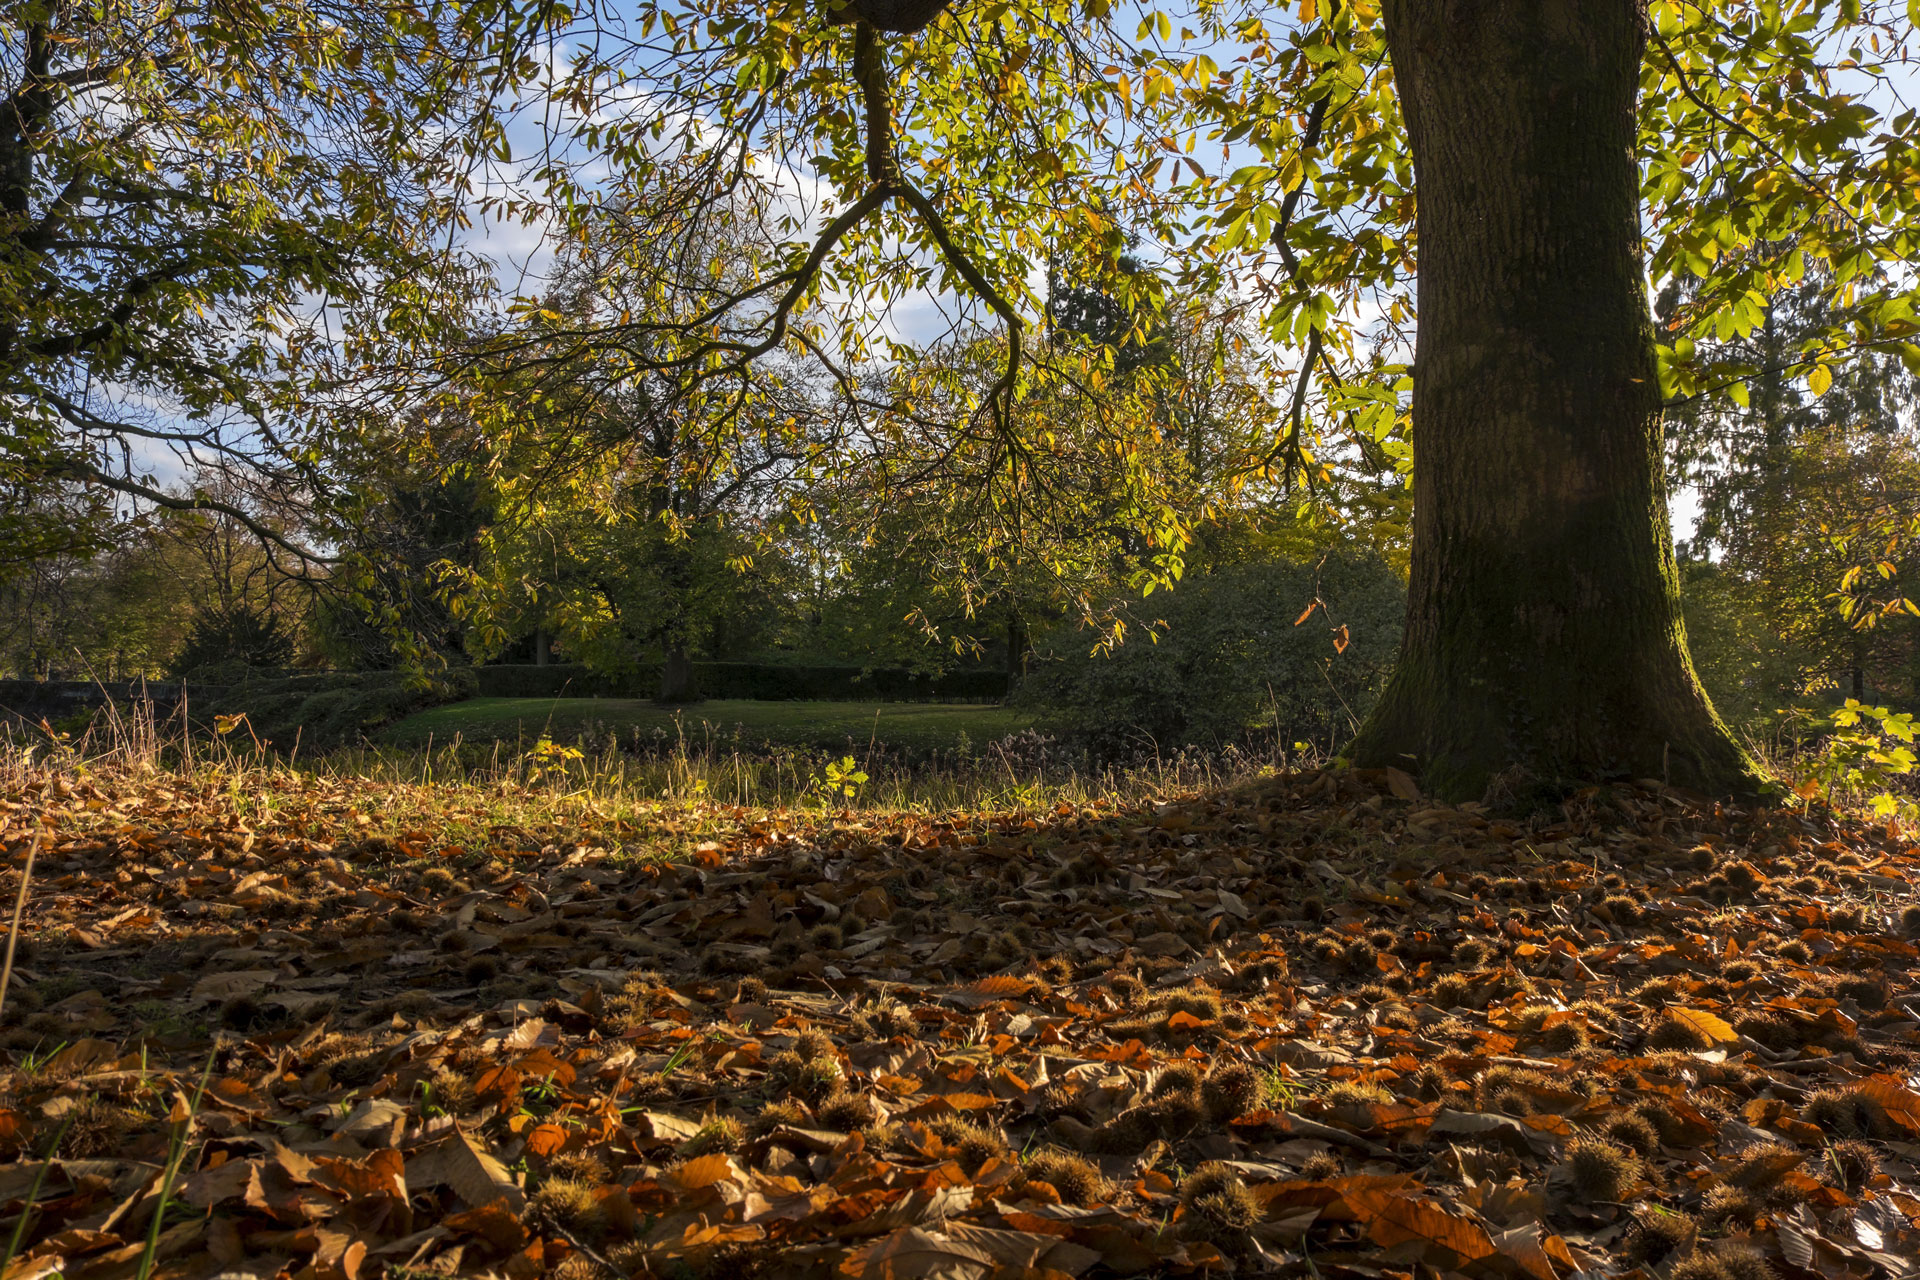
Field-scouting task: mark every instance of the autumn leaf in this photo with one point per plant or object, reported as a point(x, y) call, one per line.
point(459, 1163)
point(1901, 1104)
point(704, 1171)
point(1402, 784)
point(1710, 1026)
point(1449, 1241)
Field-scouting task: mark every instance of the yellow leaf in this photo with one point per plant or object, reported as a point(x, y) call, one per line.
point(1711, 1026)
point(704, 1171)
point(1819, 378)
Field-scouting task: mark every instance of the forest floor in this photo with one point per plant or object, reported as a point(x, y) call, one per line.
point(912, 726)
point(265, 1023)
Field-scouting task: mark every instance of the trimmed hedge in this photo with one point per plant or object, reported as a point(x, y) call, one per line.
point(751, 681)
point(559, 680)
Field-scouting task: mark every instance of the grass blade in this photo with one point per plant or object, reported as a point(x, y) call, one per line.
point(175, 1157)
point(33, 1195)
point(19, 909)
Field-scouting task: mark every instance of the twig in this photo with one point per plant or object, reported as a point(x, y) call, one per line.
point(1773, 153)
point(582, 1248)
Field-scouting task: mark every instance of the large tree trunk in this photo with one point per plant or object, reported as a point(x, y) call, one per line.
point(676, 675)
point(1544, 642)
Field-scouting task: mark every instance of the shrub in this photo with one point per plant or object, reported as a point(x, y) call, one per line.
point(1863, 751)
point(1236, 659)
point(328, 710)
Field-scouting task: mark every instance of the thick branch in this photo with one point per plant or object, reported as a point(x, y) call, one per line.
point(76, 469)
point(1000, 395)
point(876, 96)
point(902, 17)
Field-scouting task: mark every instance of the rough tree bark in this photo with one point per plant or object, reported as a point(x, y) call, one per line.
point(676, 676)
point(1544, 642)
point(677, 684)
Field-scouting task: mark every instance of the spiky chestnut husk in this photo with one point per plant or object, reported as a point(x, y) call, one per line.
point(1853, 1164)
point(1231, 1089)
point(1179, 1077)
point(1600, 1171)
point(1847, 1112)
point(1632, 1131)
point(1672, 1034)
point(1076, 1179)
point(1218, 1206)
point(974, 1144)
point(846, 1111)
point(1657, 1236)
point(573, 1205)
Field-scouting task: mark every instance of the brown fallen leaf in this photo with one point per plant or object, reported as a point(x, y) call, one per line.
point(461, 1164)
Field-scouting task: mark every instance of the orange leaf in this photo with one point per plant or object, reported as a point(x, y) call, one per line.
point(497, 1084)
point(495, 1223)
point(546, 1140)
point(1392, 1220)
point(1902, 1104)
point(704, 1171)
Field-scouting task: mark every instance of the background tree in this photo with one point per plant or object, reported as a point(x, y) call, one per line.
point(246, 610)
point(112, 607)
point(162, 593)
point(632, 485)
point(197, 241)
point(420, 511)
point(1801, 480)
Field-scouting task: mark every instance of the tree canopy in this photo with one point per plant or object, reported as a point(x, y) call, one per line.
point(211, 218)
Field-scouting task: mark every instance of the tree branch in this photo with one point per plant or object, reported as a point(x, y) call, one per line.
point(902, 17)
point(1000, 395)
point(86, 472)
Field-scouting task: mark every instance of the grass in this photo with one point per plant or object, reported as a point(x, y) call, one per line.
point(667, 783)
point(840, 726)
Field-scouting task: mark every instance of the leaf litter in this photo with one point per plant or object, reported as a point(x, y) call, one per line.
point(1314, 1026)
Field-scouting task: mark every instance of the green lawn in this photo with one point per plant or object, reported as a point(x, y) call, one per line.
point(915, 726)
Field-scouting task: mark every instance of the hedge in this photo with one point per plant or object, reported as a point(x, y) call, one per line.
point(751, 681)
